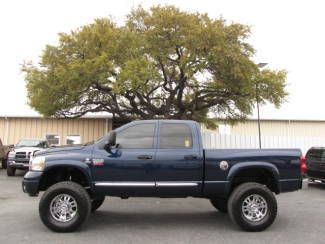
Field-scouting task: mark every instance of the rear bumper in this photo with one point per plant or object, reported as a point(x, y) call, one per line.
point(287, 185)
point(30, 182)
point(304, 185)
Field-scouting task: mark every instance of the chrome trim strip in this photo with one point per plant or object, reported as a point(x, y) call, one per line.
point(171, 183)
point(146, 184)
point(216, 181)
point(289, 180)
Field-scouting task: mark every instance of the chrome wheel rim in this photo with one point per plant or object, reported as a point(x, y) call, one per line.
point(63, 208)
point(254, 208)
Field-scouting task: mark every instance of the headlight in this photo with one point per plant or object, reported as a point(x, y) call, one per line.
point(37, 164)
point(11, 154)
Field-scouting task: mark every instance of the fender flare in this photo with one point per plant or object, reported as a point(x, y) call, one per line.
point(80, 166)
point(237, 168)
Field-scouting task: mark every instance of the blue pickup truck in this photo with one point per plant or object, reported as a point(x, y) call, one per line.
point(160, 158)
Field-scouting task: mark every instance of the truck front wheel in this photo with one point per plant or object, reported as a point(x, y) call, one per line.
point(252, 206)
point(10, 171)
point(65, 206)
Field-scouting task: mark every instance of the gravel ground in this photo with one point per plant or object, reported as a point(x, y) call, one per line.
point(301, 219)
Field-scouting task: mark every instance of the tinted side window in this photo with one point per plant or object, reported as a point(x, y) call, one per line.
point(175, 136)
point(137, 136)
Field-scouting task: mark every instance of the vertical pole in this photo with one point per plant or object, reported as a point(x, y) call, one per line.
point(7, 131)
point(258, 118)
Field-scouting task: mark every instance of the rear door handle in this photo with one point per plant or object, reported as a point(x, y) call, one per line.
point(190, 157)
point(144, 157)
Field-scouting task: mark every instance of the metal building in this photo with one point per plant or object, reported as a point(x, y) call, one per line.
point(302, 134)
point(58, 131)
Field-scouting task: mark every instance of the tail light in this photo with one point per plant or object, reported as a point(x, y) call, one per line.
point(303, 165)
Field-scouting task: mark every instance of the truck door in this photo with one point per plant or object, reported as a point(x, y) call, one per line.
point(179, 161)
point(127, 170)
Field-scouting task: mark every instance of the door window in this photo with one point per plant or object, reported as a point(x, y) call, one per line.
point(73, 139)
point(137, 136)
point(53, 139)
point(174, 136)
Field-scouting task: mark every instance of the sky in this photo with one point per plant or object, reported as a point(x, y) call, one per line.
point(286, 34)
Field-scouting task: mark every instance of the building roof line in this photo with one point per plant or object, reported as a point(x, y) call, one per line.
point(88, 116)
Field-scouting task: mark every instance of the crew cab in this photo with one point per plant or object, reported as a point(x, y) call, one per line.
point(160, 158)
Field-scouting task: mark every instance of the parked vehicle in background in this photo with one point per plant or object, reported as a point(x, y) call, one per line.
point(315, 162)
point(19, 157)
point(4, 150)
point(160, 158)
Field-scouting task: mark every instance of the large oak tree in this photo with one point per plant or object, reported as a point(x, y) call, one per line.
point(162, 63)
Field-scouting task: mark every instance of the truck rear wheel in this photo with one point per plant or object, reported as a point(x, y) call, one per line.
point(252, 206)
point(96, 203)
point(219, 204)
point(11, 171)
point(65, 206)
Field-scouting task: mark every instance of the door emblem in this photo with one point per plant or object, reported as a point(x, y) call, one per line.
point(224, 165)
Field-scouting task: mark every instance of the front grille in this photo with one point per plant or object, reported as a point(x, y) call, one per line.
point(316, 165)
point(316, 174)
point(20, 154)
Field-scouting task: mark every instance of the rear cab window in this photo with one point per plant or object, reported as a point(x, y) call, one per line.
point(175, 136)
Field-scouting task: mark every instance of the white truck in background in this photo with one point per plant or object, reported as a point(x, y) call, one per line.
point(18, 158)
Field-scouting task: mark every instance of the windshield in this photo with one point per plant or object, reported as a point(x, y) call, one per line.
point(95, 141)
point(100, 143)
point(30, 143)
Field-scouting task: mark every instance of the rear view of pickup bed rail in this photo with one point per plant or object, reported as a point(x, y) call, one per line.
point(160, 158)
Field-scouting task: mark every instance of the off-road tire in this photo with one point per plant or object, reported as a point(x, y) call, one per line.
point(219, 204)
point(96, 203)
point(83, 206)
point(10, 171)
point(235, 206)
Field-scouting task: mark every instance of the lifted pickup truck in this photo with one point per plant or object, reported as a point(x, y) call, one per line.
point(160, 158)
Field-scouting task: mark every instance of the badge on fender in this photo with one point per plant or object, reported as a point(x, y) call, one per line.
point(98, 161)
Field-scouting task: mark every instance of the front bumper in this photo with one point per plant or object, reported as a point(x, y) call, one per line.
point(18, 164)
point(31, 181)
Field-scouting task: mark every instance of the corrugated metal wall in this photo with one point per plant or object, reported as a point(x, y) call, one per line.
point(217, 141)
point(14, 129)
point(278, 128)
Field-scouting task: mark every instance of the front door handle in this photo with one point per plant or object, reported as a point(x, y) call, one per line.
point(144, 157)
point(190, 157)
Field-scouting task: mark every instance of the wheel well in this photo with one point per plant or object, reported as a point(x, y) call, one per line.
point(259, 175)
point(60, 174)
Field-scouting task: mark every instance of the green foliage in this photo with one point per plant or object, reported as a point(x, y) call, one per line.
point(163, 63)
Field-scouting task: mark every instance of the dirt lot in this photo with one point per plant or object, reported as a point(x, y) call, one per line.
point(301, 219)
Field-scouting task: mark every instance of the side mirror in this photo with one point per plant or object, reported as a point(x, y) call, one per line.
point(112, 138)
point(111, 141)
